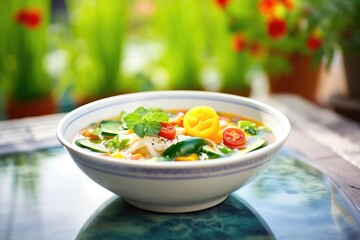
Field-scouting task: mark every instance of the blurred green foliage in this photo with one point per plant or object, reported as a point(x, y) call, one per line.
point(95, 44)
point(99, 48)
point(23, 46)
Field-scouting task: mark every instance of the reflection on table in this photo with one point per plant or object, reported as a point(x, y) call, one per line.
point(43, 195)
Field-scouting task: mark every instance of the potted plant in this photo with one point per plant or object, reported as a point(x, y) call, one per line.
point(27, 88)
point(227, 49)
point(191, 55)
point(285, 38)
point(348, 37)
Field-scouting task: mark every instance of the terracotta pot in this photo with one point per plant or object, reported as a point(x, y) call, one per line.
point(351, 66)
point(349, 105)
point(19, 109)
point(302, 80)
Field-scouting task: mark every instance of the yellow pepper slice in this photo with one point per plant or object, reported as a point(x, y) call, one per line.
point(191, 157)
point(202, 121)
point(218, 137)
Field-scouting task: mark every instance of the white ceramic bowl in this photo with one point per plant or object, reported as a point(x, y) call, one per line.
point(172, 186)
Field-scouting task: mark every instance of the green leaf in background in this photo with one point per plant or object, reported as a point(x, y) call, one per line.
point(97, 38)
point(23, 48)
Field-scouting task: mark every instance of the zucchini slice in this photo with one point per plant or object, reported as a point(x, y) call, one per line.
point(110, 127)
point(253, 143)
point(86, 143)
point(185, 147)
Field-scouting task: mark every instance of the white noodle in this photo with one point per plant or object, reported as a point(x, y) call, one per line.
point(151, 150)
point(215, 147)
point(135, 147)
point(155, 146)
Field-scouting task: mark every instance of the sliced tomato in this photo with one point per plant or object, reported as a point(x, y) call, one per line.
point(233, 137)
point(167, 131)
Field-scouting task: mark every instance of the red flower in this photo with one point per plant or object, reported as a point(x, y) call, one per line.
point(267, 7)
point(20, 16)
point(222, 3)
point(30, 18)
point(238, 43)
point(314, 42)
point(289, 4)
point(276, 28)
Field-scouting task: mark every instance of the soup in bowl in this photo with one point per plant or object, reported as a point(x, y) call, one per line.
point(173, 151)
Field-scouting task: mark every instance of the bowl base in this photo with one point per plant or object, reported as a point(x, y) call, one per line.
point(176, 208)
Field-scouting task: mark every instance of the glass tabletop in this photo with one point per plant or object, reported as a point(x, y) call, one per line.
point(44, 195)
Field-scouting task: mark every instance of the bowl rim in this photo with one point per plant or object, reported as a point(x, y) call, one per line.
point(279, 141)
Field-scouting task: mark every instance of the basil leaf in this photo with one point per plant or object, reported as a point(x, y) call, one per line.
point(145, 122)
point(155, 109)
point(139, 129)
point(141, 111)
point(132, 119)
point(153, 128)
point(157, 117)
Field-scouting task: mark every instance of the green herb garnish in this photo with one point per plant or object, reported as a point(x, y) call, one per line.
point(115, 144)
point(226, 150)
point(145, 122)
point(249, 127)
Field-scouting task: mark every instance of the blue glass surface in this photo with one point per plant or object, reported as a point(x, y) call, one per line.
point(43, 195)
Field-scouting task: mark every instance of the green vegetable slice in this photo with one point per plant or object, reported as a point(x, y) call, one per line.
point(211, 154)
point(85, 143)
point(253, 144)
point(184, 148)
point(110, 127)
